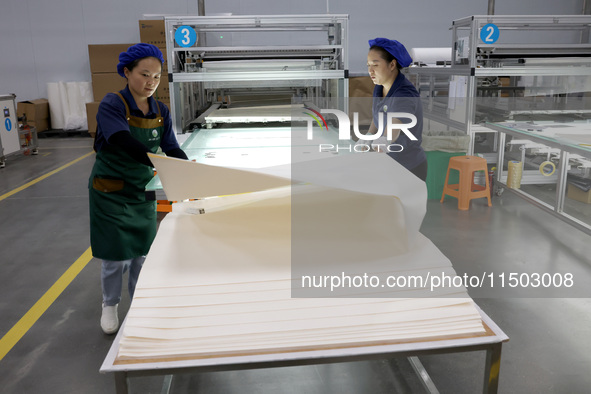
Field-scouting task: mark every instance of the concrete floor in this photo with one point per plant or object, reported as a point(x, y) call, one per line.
point(45, 230)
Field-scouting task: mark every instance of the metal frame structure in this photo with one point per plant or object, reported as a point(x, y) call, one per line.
point(506, 60)
point(491, 343)
point(566, 149)
point(203, 86)
point(480, 63)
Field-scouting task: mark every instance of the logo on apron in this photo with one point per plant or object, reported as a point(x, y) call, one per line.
point(155, 133)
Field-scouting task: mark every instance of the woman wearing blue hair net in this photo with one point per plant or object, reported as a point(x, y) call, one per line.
point(394, 93)
point(130, 123)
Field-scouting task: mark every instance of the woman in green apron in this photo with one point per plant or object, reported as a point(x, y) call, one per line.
point(130, 123)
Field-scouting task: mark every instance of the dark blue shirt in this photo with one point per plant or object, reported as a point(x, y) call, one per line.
point(402, 97)
point(111, 119)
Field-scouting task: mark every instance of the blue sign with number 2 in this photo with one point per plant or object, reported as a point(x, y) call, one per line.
point(489, 33)
point(185, 36)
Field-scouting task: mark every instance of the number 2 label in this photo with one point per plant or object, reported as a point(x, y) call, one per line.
point(489, 33)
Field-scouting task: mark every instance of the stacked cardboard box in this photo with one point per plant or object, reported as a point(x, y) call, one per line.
point(103, 66)
point(152, 32)
point(37, 113)
point(360, 94)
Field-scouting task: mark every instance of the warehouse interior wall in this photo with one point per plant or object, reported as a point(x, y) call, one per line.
point(45, 41)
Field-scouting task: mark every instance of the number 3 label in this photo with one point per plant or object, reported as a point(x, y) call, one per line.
point(185, 36)
point(489, 33)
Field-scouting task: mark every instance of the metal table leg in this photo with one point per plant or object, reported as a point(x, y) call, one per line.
point(167, 384)
point(121, 386)
point(492, 369)
point(422, 373)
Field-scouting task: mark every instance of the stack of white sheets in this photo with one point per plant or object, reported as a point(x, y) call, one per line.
point(220, 277)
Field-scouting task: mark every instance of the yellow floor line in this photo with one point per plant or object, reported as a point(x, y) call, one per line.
point(42, 177)
point(26, 322)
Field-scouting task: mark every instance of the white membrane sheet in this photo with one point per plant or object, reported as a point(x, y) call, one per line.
point(218, 278)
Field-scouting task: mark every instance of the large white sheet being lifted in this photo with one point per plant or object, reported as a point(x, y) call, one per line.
point(220, 283)
point(371, 175)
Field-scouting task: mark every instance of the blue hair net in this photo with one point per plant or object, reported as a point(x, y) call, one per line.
point(395, 48)
point(137, 51)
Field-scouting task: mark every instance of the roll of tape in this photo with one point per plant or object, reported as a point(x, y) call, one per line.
point(514, 174)
point(543, 168)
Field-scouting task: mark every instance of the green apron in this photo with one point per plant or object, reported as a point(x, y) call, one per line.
point(122, 221)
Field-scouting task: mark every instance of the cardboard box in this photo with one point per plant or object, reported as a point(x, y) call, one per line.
point(35, 110)
point(579, 195)
point(161, 97)
point(505, 82)
point(165, 64)
point(163, 91)
point(104, 58)
point(152, 32)
point(103, 83)
point(91, 111)
point(164, 99)
point(360, 99)
point(361, 87)
point(40, 125)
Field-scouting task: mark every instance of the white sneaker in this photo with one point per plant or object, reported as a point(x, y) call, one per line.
point(109, 319)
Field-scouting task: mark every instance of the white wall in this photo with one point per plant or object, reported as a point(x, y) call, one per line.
point(45, 41)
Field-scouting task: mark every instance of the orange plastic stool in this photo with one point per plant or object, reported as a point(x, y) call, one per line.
point(466, 190)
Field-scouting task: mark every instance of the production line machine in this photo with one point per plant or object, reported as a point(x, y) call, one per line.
point(237, 70)
point(519, 86)
point(508, 68)
point(236, 83)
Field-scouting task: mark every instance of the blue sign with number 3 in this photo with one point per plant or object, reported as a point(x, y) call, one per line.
point(185, 36)
point(489, 33)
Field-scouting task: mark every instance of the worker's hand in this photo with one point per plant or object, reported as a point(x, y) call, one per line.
point(362, 146)
point(380, 145)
